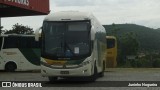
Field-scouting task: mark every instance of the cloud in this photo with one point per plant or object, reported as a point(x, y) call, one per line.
point(143, 12)
point(32, 21)
point(65, 3)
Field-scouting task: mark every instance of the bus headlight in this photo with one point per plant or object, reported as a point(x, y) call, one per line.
point(85, 63)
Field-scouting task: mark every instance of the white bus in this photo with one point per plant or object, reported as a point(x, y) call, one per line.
point(19, 53)
point(73, 45)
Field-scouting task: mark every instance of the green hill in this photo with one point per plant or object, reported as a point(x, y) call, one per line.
point(149, 39)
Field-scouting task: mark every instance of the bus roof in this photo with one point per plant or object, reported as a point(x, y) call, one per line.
point(69, 15)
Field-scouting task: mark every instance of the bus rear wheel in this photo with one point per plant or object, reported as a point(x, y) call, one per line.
point(10, 67)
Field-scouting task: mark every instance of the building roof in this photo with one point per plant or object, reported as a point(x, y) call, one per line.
point(12, 8)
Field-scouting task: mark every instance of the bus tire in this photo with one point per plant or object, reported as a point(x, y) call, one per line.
point(10, 67)
point(95, 75)
point(52, 79)
point(101, 74)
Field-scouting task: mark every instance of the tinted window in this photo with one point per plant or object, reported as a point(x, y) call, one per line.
point(66, 39)
point(110, 43)
point(78, 26)
point(10, 42)
point(20, 42)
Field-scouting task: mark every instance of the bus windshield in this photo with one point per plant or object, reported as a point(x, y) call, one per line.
point(110, 43)
point(66, 39)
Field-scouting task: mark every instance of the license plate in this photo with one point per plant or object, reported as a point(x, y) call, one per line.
point(64, 72)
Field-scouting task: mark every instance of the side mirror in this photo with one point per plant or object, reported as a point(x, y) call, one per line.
point(92, 33)
point(37, 34)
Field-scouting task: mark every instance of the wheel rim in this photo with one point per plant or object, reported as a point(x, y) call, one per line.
point(10, 67)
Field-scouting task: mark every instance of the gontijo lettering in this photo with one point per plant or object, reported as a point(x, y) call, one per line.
point(23, 2)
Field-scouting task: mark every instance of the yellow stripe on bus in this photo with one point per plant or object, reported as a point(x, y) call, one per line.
point(55, 62)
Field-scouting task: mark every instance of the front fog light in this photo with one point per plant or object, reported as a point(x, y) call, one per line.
point(84, 71)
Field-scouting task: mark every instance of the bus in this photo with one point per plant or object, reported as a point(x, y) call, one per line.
point(19, 53)
point(73, 45)
point(111, 56)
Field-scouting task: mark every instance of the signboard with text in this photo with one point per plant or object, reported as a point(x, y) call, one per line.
point(11, 8)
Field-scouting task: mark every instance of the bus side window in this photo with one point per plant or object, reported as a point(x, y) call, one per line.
point(31, 43)
point(36, 44)
point(23, 42)
point(10, 42)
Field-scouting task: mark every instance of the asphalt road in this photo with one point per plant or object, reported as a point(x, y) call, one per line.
point(112, 77)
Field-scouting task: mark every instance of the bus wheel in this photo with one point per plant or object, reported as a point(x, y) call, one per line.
point(52, 79)
point(10, 67)
point(94, 76)
point(101, 74)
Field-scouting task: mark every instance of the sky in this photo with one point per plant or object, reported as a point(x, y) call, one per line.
point(141, 12)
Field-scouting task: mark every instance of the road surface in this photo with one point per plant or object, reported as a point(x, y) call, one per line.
point(114, 75)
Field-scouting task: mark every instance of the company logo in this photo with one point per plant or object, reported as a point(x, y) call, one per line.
point(6, 84)
point(20, 84)
point(23, 2)
point(64, 66)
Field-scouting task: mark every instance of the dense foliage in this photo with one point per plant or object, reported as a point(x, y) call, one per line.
point(149, 39)
point(134, 39)
point(20, 29)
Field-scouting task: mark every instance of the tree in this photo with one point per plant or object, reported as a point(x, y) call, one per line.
point(1, 30)
point(20, 29)
point(115, 30)
point(1, 27)
point(129, 44)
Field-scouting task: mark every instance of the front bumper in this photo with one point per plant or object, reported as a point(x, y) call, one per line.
point(83, 71)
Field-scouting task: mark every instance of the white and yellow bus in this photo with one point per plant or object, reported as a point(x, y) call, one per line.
point(73, 45)
point(19, 53)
